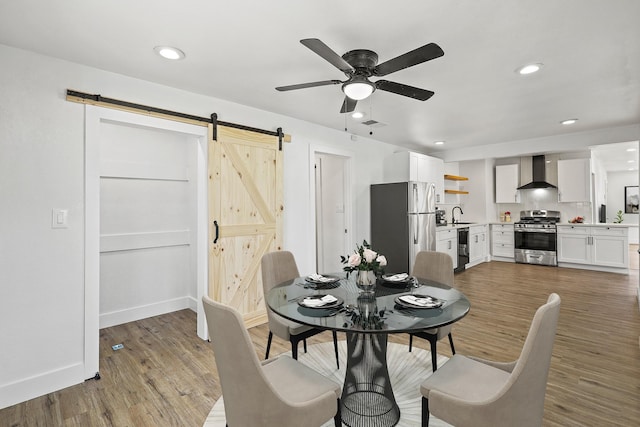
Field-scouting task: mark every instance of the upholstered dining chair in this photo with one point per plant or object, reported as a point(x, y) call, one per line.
point(278, 267)
point(436, 266)
point(474, 392)
point(276, 392)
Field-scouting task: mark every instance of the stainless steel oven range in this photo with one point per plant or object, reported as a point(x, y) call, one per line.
point(536, 237)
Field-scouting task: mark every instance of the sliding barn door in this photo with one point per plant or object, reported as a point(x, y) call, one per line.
point(245, 213)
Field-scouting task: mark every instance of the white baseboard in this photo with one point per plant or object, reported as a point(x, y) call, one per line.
point(142, 312)
point(40, 384)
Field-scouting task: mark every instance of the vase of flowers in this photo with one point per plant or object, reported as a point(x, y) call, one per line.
point(367, 263)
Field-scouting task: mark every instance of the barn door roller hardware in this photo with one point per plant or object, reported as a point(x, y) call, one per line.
point(99, 100)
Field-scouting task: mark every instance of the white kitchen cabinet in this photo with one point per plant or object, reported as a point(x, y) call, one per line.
point(597, 245)
point(574, 180)
point(432, 170)
point(478, 244)
point(502, 241)
point(507, 179)
point(447, 242)
point(407, 166)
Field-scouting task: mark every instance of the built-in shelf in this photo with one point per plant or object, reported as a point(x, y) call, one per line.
point(455, 192)
point(455, 178)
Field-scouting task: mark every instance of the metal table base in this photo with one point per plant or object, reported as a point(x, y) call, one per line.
point(367, 396)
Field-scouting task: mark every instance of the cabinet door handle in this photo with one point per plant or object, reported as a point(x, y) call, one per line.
point(476, 238)
point(449, 244)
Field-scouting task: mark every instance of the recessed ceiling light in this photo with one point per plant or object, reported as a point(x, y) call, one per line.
point(529, 69)
point(169, 52)
point(357, 115)
point(439, 143)
point(569, 121)
point(630, 161)
point(631, 149)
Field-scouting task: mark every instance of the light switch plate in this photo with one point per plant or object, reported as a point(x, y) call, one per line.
point(59, 218)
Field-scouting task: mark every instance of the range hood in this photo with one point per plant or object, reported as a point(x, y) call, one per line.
point(539, 175)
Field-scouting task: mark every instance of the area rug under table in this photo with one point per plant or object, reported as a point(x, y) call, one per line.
point(406, 370)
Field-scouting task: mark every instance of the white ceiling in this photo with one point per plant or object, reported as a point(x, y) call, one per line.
point(241, 50)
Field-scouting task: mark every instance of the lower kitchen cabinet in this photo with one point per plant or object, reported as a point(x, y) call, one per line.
point(502, 242)
point(447, 242)
point(599, 246)
point(478, 244)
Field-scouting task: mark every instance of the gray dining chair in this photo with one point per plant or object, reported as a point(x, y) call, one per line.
point(277, 392)
point(436, 266)
point(278, 267)
point(470, 391)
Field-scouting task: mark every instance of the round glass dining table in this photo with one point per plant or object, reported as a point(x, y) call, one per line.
point(367, 318)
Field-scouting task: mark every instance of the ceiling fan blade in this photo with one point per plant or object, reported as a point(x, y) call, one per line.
point(328, 54)
point(306, 85)
point(417, 56)
point(404, 90)
point(349, 105)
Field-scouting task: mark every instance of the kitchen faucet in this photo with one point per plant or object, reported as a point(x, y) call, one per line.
point(453, 218)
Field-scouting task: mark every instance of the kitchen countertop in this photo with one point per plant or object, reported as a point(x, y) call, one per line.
point(598, 224)
point(456, 226)
point(584, 224)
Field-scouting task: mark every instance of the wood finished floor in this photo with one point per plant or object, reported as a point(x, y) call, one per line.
point(166, 376)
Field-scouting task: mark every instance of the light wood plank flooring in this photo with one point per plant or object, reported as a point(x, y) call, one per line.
point(166, 376)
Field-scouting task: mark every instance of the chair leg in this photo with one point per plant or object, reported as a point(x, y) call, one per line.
point(266, 356)
point(434, 354)
point(453, 350)
point(425, 412)
point(337, 420)
point(335, 347)
point(294, 349)
point(410, 342)
point(304, 345)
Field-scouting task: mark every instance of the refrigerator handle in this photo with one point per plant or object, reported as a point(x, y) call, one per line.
point(415, 230)
point(415, 198)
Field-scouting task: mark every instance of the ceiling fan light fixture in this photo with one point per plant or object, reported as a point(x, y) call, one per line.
point(529, 69)
point(358, 89)
point(169, 52)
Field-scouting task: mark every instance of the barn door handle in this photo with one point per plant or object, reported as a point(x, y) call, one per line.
point(215, 224)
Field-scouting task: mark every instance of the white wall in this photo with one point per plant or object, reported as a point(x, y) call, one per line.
point(41, 167)
point(616, 181)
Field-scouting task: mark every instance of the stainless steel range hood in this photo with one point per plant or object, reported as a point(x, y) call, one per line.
point(539, 175)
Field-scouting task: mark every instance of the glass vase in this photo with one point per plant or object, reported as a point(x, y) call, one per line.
point(366, 280)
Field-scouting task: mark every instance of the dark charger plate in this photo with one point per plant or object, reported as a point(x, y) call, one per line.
point(339, 301)
point(435, 302)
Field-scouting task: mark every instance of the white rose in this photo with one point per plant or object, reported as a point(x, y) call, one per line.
point(382, 260)
point(354, 260)
point(369, 255)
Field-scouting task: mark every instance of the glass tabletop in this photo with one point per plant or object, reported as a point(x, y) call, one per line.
point(381, 311)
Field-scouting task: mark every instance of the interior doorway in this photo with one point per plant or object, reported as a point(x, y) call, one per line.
point(145, 221)
point(332, 184)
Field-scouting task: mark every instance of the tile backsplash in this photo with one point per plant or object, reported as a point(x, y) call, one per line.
point(546, 199)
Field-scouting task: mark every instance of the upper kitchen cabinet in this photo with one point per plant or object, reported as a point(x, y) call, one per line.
point(507, 177)
point(407, 166)
point(574, 180)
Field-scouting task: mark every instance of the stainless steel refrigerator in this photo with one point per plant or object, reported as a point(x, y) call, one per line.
point(403, 222)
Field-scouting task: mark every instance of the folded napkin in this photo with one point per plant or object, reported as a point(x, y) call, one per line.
point(320, 278)
point(397, 277)
point(420, 301)
point(319, 302)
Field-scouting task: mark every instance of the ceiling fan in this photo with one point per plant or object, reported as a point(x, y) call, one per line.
point(358, 65)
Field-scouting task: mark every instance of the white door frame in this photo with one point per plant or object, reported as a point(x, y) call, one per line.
point(94, 116)
point(348, 195)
